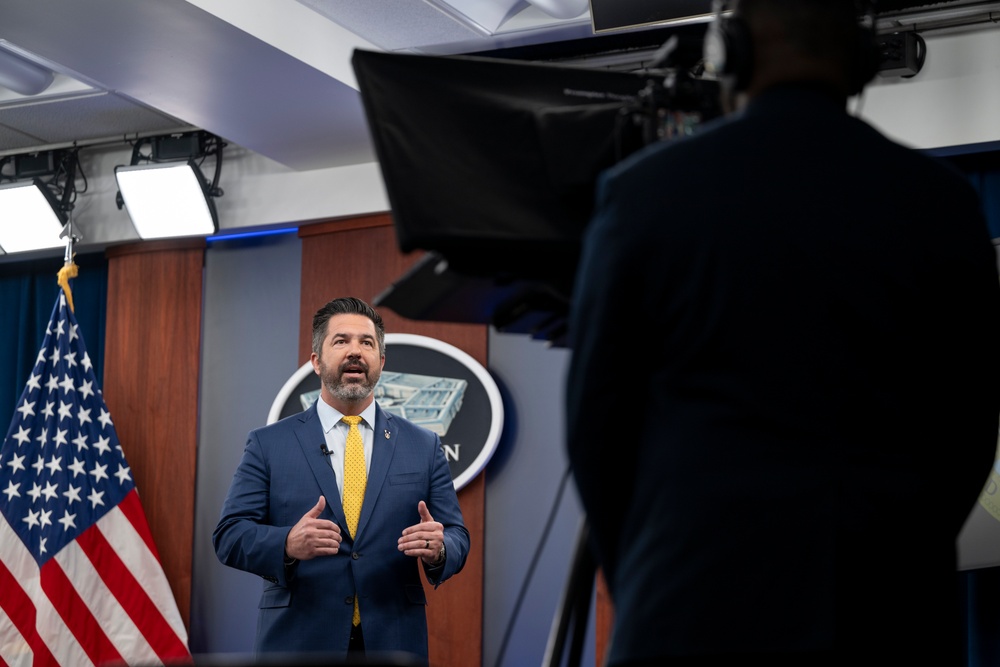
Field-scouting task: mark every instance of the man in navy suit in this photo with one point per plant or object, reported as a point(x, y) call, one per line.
point(797, 319)
point(284, 519)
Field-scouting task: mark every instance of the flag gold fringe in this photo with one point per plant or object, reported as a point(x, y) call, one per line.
point(68, 271)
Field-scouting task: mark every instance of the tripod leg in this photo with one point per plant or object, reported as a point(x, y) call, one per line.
point(570, 623)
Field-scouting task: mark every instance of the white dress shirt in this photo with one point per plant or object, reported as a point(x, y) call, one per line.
point(335, 432)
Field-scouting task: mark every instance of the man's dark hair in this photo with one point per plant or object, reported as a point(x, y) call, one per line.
point(346, 305)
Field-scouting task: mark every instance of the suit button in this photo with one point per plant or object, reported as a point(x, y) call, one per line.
point(349, 600)
point(355, 555)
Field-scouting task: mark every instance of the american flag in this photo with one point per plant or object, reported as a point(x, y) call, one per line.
point(80, 578)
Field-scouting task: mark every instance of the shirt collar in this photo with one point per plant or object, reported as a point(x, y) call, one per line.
point(330, 416)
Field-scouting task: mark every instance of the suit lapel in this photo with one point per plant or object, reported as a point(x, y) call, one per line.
point(383, 447)
point(309, 433)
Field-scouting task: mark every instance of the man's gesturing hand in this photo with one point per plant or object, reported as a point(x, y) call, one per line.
point(425, 539)
point(313, 536)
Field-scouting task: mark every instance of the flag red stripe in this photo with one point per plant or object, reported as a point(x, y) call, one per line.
point(19, 608)
point(131, 507)
point(76, 615)
point(100, 597)
point(131, 596)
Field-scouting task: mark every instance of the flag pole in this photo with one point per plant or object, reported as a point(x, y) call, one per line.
point(69, 269)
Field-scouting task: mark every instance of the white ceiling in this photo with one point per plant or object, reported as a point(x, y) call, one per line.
point(271, 76)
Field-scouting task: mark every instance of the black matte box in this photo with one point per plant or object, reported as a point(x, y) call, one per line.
point(490, 162)
point(34, 164)
point(176, 147)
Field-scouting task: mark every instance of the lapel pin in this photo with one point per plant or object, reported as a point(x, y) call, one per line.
point(387, 435)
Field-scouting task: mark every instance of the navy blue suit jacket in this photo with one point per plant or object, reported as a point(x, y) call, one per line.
point(307, 607)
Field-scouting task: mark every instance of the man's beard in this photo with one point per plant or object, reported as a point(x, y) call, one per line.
point(350, 390)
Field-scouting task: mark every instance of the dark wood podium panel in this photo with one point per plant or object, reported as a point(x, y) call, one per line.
point(605, 620)
point(359, 257)
point(152, 356)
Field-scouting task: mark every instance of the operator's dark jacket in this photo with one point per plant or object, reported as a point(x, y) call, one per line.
point(795, 322)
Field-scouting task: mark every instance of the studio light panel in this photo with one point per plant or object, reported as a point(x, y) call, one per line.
point(167, 200)
point(28, 218)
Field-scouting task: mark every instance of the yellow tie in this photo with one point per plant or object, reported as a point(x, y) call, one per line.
point(355, 480)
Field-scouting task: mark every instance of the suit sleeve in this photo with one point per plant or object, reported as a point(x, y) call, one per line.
point(243, 538)
point(443, 506)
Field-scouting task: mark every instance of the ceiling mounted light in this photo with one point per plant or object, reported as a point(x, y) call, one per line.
point(169, 197)
point(34, 209)
point(167, 200)
point(562, 9)
point(29, 218)
point(21, 75)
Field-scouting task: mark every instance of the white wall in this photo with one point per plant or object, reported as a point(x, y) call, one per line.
point(953, 101)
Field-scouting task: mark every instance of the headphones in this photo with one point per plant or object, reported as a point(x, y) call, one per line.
point(728, 49)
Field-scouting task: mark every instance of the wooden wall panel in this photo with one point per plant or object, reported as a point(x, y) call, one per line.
point(151, 370)
point(360, 257)
point(605, 619)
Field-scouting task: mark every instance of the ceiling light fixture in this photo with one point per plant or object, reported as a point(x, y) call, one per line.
point(168, 196)
point(35, 206)
point(21, 75)
point(562, 9)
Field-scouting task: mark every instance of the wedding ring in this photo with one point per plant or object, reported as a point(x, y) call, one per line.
point(427, 544)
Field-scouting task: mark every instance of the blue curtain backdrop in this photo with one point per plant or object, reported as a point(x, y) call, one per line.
point(28, 291)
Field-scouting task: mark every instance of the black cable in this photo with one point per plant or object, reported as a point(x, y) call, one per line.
point(531, 568)
point(137, 150)
point(67, 166)
point(81, 174)
point(215, 190)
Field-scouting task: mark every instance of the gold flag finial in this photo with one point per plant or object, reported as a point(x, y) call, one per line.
point(68, 271)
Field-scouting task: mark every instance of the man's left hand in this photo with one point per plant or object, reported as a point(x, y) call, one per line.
point(424, 540)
